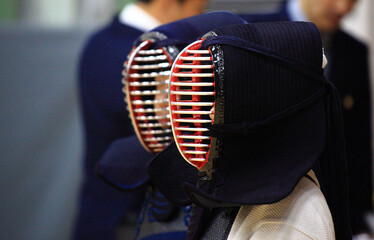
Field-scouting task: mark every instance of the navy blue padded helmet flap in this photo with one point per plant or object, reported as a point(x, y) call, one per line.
point(114, 167)
point(275, 118)
point(145, 79)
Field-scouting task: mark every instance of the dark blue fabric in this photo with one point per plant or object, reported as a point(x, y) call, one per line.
point(348, 63)
point(102, 207)
point(168, 236)
point(190, 29)
point(299, 66)
point(115, 167)
point(164, 168)
point(161, 219)
point(349, 72)
point(162, 209)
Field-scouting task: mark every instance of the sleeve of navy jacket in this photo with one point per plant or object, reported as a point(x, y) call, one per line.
point(101, 207)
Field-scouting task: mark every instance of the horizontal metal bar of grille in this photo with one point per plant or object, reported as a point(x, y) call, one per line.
point(192, 84)
point(191, 112)
point(156, 150)
point(194, 152)
point(193, 137)
point(151, 66)
point(192, 93)
point(150, 75)
point(156, 131)
point(153, 139)
point(144, 118)
point(150, 52)
point(151, 58)
point(197, 159)
point(148, 84)
point(196, 58)
point(198, 51)
point(150, 125)
point(194, 145)
point(192, 103)
point(192, 129)
point(150, 110)
point(193, 120)
point(191, 66)
point(193, 74)
point(148, 92)
point(158, 145)
point(124, 81)
point(149, 102)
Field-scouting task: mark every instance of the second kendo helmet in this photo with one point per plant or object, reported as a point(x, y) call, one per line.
point(145, 86)
point(252, 111)
point(147, 71)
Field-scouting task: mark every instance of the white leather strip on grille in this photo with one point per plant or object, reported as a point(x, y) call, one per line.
point(191, 101)
point(149, 112)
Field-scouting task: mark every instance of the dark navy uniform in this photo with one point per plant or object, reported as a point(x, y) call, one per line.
point(102, 207)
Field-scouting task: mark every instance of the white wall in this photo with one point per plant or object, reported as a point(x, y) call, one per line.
point(66, 13)
point(49, 13)
point(40, 133)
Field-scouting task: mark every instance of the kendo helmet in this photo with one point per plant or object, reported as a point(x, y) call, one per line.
point(276, 117)
point(147, 71)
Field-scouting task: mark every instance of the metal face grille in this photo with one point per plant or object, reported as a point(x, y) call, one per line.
point(146, 80)
point(191, 93)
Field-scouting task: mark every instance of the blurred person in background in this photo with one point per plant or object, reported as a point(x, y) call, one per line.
point(348, 71)
point(101, 207)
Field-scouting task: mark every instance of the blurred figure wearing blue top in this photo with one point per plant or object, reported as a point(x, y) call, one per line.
point(102, 208)
point(348, 71)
